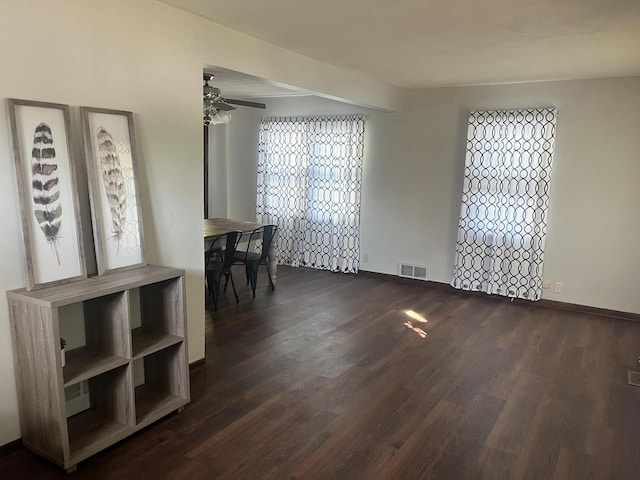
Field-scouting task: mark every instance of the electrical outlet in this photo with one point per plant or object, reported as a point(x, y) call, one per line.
point(557, 288)
point(365, 257)
point(545, 284)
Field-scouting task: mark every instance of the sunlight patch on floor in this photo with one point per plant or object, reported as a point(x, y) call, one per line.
point(415, 316)
point(418, 330)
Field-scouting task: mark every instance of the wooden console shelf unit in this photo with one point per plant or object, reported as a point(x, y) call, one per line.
point(117, 406)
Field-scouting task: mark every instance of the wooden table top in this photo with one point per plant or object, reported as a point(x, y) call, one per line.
point(219, 226)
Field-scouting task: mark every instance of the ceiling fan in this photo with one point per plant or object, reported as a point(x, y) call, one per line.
point(213, 98)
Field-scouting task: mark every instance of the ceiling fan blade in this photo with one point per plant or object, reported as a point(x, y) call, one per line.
point(224, 106)
point(246, 103)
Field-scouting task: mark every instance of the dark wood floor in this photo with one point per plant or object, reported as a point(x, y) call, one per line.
point(329, 378)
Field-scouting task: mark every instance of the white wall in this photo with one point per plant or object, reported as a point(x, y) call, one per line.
point(146, 57)
point(233, 163)
point(242, 163)
point(413, 171)
point(217, 171)
point(242, 146)
point(414, 183)
point(95, 54)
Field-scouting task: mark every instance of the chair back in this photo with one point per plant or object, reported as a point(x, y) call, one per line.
point(222, 249)
point(259, 243)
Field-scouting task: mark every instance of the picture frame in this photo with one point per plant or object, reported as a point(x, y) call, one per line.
point(47, 192)
point(109, 143)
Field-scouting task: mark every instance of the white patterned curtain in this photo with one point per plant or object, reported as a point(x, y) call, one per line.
point(505, 198)
point(309, 178)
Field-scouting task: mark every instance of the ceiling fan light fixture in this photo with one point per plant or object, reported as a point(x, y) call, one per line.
point(216, 106)
point(211, 103)
point(219, 118)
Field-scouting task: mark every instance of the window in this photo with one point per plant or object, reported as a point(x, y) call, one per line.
point(505, 198)
point(309, 177)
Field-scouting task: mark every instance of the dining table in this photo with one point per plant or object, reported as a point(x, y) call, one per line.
point(214, 227)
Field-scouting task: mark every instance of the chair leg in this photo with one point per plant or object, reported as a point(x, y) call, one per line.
point(216, 293)
point(209, 285)
point(233, 285)
point(252, 273)
point(273, 287)
point(226, 281)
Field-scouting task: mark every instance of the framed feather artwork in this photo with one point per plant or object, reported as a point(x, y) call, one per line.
point(113, 187)
point(47, 191)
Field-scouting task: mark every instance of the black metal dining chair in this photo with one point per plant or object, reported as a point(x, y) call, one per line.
point(218, 261)
point(256, 253)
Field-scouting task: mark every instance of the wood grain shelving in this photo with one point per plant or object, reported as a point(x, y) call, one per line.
point(117, 408)
point(145, 343)
point(84, 363)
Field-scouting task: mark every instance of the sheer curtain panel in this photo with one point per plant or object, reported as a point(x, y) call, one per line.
point(505, 198)
point(309, 178)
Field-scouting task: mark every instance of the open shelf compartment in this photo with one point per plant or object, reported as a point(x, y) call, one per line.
point(71, 411)
point(161, 383)
point(109, 417)
point(156, 313)
point(103, 342)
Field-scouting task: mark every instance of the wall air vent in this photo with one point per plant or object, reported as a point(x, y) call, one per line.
point(419, 272)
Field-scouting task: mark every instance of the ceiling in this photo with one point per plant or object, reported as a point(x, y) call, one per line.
point(234, 84)
point(427, 43)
